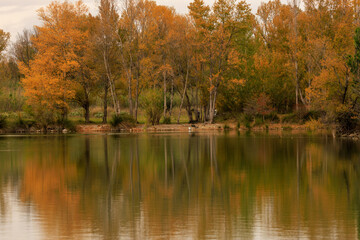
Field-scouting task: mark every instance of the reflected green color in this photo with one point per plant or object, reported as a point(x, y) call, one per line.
point(195, 186)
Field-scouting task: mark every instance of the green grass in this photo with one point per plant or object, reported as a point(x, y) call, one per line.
point(97, 119)
point(15, 120)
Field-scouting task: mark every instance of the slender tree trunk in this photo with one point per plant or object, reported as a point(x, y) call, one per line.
point(346, 88)
point(164, 75)
point(137, 88)
point(188, 108)
point(183, 95)
point(137, 98)
point(112, 85)
point(295, 57)
point(212, 105)
point(197, 105)
point(130, 98)
point(106, 88)
point(128, 70)
point(202, 114)
point(172, 96)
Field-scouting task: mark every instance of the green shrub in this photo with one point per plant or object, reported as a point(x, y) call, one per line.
point(152, 102)
point(246, 120)
point(69, 125)
point(20, 123)
point(258, 121)
point(167, 120)
point(121, 118)
point(313, 115)
point(302, 116)
point(347, 120)
point(44, 116)
point(23, 123)
point(287, 128)
point(115, 120)
point(11, 102)
point(3, 121)
point(78, 112)
point(226, 127)
point(248, 125)
point(290, 118)
point(272, 117)
point(98, 115)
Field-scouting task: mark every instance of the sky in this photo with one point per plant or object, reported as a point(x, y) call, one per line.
point(16, 15)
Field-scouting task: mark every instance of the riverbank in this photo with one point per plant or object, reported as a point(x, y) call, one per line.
point(198, 127)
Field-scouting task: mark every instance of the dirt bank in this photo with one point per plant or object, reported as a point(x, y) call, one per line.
point(200, 127)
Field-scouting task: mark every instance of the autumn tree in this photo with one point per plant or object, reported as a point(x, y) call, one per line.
point(23, 49)
point(4, 40)
point(354, 64)
point(128, 45)
point(276, 63)
point(137, 36)
point(217, 29)
point(241, 84)
point(330, 28)
point(59, 67)
point(200, 19)
point(108, 51)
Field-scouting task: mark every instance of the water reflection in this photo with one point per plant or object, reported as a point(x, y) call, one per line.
point(179, 186)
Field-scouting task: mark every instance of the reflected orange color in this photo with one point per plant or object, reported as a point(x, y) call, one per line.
point(289, 188)
point(45, 186)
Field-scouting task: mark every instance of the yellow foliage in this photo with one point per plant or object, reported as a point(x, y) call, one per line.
point(50, 79)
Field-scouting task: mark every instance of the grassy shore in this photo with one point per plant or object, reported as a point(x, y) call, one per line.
point(22, 122)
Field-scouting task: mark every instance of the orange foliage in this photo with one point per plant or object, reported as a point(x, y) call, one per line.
point(50, 80)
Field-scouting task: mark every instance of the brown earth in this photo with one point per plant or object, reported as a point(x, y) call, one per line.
point(200, 127)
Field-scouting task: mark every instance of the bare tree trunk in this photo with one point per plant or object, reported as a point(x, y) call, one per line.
point(202, 114)
point(212, 111)
point(346, 87)
point(197, 115)
point(172, 96)
point(137, 98)
point(297, 96)
point(85, 103)
point(106, 88)
point(137, 88)
point(128, 70)
point(130, 97)
point(188, 108)
point(183, 95)
point(112, 86)
point(212, 105)
point(295, 57)
point(164, 75)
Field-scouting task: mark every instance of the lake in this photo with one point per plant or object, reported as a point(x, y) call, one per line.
point(179, 186)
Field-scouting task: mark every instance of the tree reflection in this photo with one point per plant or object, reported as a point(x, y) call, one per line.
point(198, 186)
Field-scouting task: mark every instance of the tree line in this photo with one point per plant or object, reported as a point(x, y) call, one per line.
point(220, 59)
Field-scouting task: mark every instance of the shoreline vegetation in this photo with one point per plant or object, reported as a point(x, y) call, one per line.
point(289, 123)
point(139, 66)
point(100, 128)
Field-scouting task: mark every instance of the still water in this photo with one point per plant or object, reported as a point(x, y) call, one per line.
point(179, 186)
